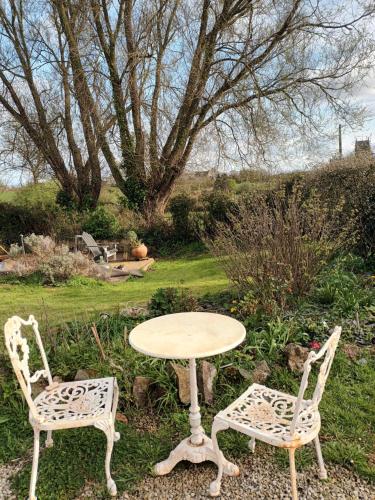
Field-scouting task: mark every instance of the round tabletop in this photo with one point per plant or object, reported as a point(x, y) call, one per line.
point(187, 335)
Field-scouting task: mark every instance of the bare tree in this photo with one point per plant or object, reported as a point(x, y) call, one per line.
point(40, 88)
point(142, 79)
point(236, 66)
point(19, 155)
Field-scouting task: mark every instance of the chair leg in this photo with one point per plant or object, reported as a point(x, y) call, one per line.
point(293, 474)
point(49, 440)
point(322, 469)
point(116, 435)
point(216, 485)
point(34, 470)
point(111, 485)
point(252, 445)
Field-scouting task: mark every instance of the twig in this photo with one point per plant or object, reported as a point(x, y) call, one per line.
point(3, 249)
point(96, 335)
point(357, 322)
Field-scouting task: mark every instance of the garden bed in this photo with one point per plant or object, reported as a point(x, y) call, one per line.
point(347, 436)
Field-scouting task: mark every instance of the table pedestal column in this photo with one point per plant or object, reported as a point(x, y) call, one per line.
point(198, 447)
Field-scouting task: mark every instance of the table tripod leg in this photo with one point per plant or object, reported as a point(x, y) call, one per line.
point(198, 447)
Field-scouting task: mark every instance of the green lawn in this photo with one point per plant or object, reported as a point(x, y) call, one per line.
point(7, 196)
point(201, 274)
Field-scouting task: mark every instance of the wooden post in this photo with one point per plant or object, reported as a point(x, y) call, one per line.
point(340, 141)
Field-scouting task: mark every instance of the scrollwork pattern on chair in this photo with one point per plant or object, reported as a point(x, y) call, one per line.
point(271, 411)
point(73, 401)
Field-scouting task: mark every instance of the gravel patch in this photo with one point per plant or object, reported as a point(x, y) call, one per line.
point(260, 479)
point(6, 474)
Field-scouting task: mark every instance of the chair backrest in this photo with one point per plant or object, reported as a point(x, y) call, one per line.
point(18, 350)
point(91, 244)
point(327, 352)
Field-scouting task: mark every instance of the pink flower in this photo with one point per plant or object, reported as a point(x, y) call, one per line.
point(314, 344)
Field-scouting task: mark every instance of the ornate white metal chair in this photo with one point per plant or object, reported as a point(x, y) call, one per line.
point(61, 405)
point(277, 418)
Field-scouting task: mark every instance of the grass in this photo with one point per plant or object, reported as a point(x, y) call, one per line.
point(7, 196)
point(347, 408)
point(201, 274)
point(39, 194)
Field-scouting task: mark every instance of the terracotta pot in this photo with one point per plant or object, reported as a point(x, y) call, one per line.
point(139, 252)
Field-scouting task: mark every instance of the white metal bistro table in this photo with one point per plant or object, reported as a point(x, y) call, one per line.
point(189, 336)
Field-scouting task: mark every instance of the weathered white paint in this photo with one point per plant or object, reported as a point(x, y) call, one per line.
point(61, 406)
point(190, 336)
point(277, 418)
point(187, 335)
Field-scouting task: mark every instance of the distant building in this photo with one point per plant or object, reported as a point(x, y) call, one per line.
point(362, 147)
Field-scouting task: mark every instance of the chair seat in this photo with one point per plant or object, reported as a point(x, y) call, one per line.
point(76, 403)
point(110, 253)
point(267, 415)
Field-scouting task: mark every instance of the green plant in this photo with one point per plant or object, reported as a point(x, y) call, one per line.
point(224, 182)
point(342, 290)
point(40, 245)
point(271, 340)
point(101, 224)
point(181, 208)
point(62, 265)
point(350, 182)
point(172, 300)
point(221, 207)
point(24, 219)
point(15, 250)
point(133, 239)
point(159, 235)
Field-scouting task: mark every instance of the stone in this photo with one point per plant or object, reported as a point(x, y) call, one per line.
point(362, 361)
point(85, 375)
point(209, 373)
point(297, 356)
point(261, 373)
point(57, 379)
point(38, 387)
point(245, 374)
point(183, 377)
point(120, 417)
point(236, 373)
point(140, 390)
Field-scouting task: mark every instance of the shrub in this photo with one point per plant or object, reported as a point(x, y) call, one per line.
point(224, 182)
point(39, 244)
point(101, 224)
point(274, 247)
point(172, 300)
point(221, 207)
point(62, 265)
point(181, 208)
point(342, 290)
point(351, 182)
point(17, 219)
point(157, 235)
point(52, 263)
point(15, 250)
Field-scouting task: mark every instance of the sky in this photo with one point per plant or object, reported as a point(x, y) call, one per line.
point(296, 158)
point(364, 95)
